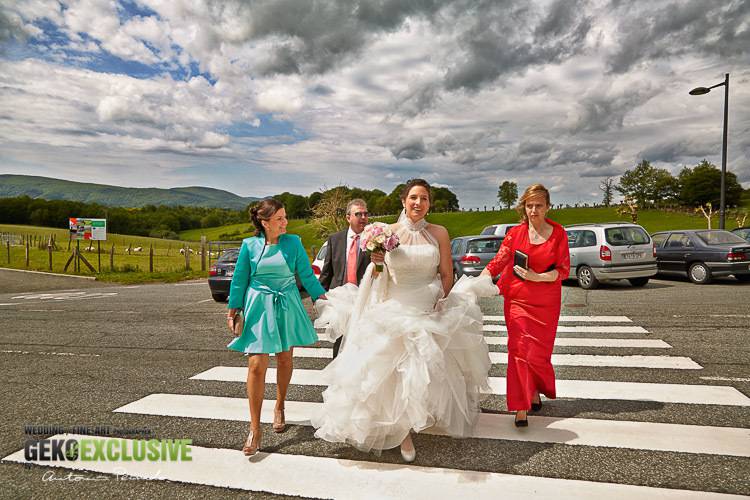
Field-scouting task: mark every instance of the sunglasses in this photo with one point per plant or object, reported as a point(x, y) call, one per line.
point(361, 214)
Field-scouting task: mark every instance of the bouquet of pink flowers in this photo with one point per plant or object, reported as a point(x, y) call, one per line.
point(378, 237)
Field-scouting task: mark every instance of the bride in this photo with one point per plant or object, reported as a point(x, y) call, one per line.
point(413, 354)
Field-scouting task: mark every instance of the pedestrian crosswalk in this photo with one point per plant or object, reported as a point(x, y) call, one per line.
point(333, 477)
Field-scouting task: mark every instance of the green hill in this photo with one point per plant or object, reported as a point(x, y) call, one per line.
point(468, 223)
point(58, 189)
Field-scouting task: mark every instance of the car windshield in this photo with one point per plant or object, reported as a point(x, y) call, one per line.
point(488, 230)
point(322, 253)
point(229, 255)
point(719, 237)
point(483, 246)
point(627, 235)
point(742, 233)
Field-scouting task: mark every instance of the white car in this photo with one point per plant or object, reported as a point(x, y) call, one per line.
point(317, 264)
point(498, 229)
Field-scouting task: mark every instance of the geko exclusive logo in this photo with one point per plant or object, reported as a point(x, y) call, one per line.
point(108, 449)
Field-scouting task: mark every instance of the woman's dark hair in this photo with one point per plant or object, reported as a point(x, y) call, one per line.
point(416, 182)
point(263, 210)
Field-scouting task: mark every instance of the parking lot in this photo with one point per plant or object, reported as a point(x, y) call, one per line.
point(74, 354)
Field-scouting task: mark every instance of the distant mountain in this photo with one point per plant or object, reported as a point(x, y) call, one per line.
point(58, 189)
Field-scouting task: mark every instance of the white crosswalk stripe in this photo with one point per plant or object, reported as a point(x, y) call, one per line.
point(586, 342)
point(666, 362)
point(574, 431)
point(576, 389)
point(322, 477)
point(578, 329)
point(573, 319)
point(327, 477)
point(574, 342)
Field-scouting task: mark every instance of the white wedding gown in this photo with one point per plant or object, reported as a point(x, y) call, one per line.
point(408, 360)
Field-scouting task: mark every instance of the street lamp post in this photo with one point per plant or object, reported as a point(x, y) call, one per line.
point(706, 90)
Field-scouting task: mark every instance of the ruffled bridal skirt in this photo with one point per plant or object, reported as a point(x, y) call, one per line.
point(403, 365)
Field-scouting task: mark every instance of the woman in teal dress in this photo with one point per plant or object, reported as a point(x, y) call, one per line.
point(265, 289)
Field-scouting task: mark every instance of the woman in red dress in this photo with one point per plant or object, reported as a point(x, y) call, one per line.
point(532, 297)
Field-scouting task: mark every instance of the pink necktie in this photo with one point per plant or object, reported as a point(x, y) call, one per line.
point(351, 261)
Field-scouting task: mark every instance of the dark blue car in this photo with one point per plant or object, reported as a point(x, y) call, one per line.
point(702, 254)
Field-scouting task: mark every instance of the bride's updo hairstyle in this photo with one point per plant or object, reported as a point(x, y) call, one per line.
point(263, 210)
point(416, 182)
point(533, 191)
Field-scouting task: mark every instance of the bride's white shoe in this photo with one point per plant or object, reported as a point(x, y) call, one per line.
point(409, 454)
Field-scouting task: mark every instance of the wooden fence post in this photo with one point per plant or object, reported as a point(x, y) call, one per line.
point(151, 258)
point(187, 258)
point(49, 252)
point(27, 253)
point(203, 253)
point(8, 244)
point(112, 259)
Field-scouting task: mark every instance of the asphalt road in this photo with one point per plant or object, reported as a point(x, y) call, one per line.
point(73, 355)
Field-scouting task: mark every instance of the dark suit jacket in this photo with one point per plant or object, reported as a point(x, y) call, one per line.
point(333, 273)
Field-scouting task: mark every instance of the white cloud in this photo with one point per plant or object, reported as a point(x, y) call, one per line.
point(428, 89)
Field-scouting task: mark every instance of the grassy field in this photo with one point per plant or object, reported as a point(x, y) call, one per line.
point(169, 264)
point(468, 223)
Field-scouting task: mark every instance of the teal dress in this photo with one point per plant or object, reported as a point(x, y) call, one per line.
point(264, 286)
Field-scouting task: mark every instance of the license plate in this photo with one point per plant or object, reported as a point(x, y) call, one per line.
point(632, 255)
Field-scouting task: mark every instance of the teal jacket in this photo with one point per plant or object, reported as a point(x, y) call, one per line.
point(247, 261)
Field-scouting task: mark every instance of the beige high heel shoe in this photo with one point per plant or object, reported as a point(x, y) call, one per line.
point(279, 421)
point(252, 446)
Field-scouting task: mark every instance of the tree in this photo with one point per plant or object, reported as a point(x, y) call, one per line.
point(607, 186)
point(702, 184)
point(646, 185)
point(629, 207)
point(443, 200)
point(708, 211)
point(328, 216)
point(507, 194)
point(666, 187)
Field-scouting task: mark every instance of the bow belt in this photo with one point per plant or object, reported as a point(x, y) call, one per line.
point(280, 301)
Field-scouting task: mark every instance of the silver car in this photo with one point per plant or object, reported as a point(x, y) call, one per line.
point(610, 251)
point(471, 254)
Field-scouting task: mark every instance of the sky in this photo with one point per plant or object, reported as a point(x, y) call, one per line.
point(259, 97)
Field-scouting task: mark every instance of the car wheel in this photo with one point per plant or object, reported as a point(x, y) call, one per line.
point(586, 278)
point(745, 278)
point(699, 273)
point(219, 297)
point(638, 281)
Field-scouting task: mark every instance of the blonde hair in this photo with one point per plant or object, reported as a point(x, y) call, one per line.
point(533, 191)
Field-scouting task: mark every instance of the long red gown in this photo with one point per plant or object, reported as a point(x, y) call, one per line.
point(532, 310)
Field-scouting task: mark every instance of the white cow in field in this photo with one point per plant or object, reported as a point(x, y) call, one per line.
point(182, 251)
point(138, 249)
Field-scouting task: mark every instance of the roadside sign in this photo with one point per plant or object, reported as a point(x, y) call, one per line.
point(87, 229)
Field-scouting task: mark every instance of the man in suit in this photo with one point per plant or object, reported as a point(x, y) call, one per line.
point(345, 262)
